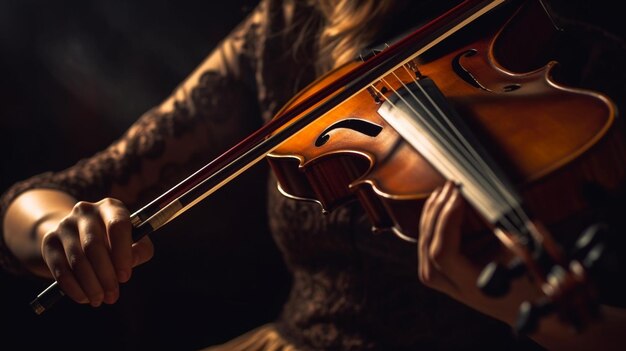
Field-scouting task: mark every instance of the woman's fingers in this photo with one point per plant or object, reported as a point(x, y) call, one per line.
point(428, 221)
point(91, 251)
point(117, 222)
point(143, 250)
point(425, 233)
point(92, 234)
point(446, 241)
point(79, 265)
point(56, 260)
point(439, 240)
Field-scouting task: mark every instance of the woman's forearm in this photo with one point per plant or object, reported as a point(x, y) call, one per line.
point(28, 218)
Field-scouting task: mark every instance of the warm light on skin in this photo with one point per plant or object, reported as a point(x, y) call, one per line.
point(29, 208)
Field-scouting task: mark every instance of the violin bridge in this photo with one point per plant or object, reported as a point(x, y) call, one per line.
point(376, 94)
point(412, 65)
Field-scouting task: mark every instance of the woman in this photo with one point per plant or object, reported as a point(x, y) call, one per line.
point(351, 290)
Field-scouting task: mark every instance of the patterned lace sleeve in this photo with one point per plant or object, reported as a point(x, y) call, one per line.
point(211, 110)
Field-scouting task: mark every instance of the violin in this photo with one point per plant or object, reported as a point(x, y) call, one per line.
point(469, 97)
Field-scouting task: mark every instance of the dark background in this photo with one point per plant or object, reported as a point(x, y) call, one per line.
point(74, 75)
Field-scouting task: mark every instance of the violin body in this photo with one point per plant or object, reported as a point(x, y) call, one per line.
point(554, 142)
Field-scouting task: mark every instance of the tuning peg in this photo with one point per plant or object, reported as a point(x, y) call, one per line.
point(593, 250)
point(589, 239)
point(495, 279)
point(568, 291)
point(529, 315)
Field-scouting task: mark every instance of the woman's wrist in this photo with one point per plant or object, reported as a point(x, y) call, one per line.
point(29, 217)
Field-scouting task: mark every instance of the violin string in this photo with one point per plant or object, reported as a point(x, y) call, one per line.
point(465, 148)
point(505, 223)
point(442, 140)
point(504, 220)
point(503, 189)
point(499, 188)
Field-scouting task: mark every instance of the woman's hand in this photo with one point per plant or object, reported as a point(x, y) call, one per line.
point(441, 265)
point(91, 251)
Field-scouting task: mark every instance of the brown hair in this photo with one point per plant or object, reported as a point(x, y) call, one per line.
point(347, 26)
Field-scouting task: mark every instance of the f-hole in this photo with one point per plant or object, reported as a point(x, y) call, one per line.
point(458, 68)
point(359, 125)
point(464, 74)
